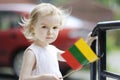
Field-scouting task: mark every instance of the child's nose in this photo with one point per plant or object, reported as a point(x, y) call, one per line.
point(50, 31)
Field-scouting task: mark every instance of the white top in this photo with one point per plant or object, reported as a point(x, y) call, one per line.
point(46, 60)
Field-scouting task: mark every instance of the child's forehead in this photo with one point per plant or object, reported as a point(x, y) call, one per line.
point(50, 25)
point(50, 20)
point(49, 17)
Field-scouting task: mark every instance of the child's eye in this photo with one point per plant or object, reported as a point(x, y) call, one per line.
point(55, 27)
point(43, 27)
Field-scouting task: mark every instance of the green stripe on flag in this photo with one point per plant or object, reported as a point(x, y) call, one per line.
point(78, 55)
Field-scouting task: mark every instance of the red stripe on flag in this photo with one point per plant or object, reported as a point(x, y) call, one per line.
point(71, 61)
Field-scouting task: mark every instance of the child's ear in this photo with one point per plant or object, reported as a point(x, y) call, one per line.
point(32, 29)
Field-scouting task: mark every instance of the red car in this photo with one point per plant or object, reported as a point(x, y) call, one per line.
point(13, 43)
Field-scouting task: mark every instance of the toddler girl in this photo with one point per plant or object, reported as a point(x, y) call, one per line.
point(40, 61)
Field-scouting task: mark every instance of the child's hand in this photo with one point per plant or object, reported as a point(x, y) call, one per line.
point(49, 77)
point(90, 39)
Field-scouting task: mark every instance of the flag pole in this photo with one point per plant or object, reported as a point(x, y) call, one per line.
point(68, 74)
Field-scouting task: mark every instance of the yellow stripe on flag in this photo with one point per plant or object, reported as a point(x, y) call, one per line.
point(86, 50)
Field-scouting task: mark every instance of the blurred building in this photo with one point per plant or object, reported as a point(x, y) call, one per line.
point(90, 10)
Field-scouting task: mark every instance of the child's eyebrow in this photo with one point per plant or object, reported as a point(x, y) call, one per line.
point(53, 26)
point(43, 24)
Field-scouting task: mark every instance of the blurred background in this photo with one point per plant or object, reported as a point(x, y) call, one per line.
point(85, 14)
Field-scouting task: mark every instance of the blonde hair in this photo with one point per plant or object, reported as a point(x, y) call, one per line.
point(41, 10)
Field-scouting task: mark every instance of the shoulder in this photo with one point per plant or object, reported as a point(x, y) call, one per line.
point(29, 54)
point(52, 47)
point(56, 49)
point(34, 49)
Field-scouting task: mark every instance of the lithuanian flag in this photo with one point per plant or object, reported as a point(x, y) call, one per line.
point(79, 55)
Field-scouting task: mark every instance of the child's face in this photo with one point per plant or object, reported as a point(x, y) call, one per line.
point(46, 29)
